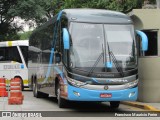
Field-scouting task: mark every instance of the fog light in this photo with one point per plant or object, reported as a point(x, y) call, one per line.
point(131, 94)
point(76, 93)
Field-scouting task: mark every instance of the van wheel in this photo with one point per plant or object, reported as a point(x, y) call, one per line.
point(22, 85)
point(61, 102)
point(114, 104)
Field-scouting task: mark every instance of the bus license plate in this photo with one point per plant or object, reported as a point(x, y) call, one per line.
point(105, 95)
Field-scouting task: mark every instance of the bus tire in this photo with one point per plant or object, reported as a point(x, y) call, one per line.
point(36, 93)
point(114, 104)
point(61, 102)
point(35, 89)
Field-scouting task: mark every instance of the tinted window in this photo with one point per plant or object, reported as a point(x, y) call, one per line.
point(10, 54)
point(24, 50)
point(33, 54)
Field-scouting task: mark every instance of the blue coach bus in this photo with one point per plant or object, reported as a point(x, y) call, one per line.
point(85, 55)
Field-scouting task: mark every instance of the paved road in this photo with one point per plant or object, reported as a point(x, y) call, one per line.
point(31, 103)
point(77, 109)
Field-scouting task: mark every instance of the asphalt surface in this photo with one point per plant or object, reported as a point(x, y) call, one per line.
point(31, 103)
point(83, 110)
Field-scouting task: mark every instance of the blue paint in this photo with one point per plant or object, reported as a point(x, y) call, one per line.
point(22, 66)
point(94, 79)
point(56, 68)
point(108, 81)
point(59, 15)
point(109, 64)
point(65, 38)
point(144, 40)
point(94, 95)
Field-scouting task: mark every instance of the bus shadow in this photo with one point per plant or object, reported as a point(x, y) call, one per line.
point(101, 107)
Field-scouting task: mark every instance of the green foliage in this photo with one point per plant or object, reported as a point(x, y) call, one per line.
point(35, 10)
point(42, 10)
point(25, 35)
point(118, 5)
point(7, 29)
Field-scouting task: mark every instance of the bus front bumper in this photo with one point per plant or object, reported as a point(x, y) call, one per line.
point(81, 94)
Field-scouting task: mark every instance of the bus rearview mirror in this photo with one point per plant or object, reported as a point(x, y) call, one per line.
point(65, 38)
point(144, 39)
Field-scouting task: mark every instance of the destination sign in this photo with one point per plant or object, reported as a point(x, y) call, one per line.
point(7, 67)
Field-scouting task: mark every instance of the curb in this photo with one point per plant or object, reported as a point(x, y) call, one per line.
point(142, 106)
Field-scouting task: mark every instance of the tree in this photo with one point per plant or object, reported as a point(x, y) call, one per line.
point(7, 29)
point(118, 5)
point(38, 11)
point(25, 35)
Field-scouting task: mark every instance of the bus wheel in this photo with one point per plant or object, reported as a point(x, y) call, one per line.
point(36, 93)
point(114, 104)
point(61, 102)
point(35, 90)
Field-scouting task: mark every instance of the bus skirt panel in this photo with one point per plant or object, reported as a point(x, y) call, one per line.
point(81, 94)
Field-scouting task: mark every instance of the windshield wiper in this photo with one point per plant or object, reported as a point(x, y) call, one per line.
point(95, 64)
point(97, 61)
point(117, 65)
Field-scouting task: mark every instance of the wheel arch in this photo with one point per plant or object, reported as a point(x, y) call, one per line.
point(22, 82)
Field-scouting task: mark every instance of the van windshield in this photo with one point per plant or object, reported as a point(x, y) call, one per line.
point(8, 54)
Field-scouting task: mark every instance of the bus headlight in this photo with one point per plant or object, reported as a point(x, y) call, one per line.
point(75, 82)
point(132, 84)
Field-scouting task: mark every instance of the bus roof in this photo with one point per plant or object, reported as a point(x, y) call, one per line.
point(96, 16)
point(14, 43)
point(90, 16)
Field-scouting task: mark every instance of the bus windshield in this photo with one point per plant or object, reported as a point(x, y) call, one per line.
point(90, 41)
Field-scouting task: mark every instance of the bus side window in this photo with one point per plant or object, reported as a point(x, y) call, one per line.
point(64, 24)
point(58, 38)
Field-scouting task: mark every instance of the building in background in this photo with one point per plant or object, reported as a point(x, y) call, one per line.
point(147, 19)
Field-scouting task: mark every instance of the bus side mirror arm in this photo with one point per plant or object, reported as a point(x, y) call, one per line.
point(144, 39)
point(66, 38)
